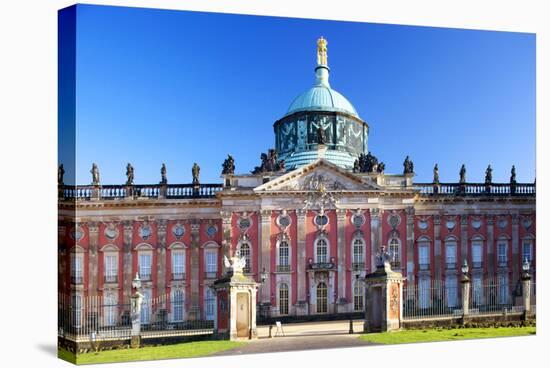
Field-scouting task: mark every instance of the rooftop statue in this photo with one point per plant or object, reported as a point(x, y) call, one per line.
point(463, 174)
point(95, 174)
point(163, 179)
point(195, 171)
point(366, 163)
point(60, 173)
point(488, 175)
point(129, 174)
point(322, 51)
point(513, 175)
point(381, 167)
point(408, 167)
point(436, 174)
point(270, 162)
point(228, 166)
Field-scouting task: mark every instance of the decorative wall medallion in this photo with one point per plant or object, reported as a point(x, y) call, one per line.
point(321, 220)
point(502, 223)
point(244, 223)
point(178, 230)
point(283, 220)
point(476, 223)
point(211, 230)
point(358, 220)
point(111, 232)
point(394, 220)
point(422, 224)
point(450, 224)
point(527, 222)
point(145, 232)
point(77, 233)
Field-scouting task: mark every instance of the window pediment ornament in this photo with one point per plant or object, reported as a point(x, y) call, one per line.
point(527, 222)
point(111, 231)
point(145, 231)
point(502, 222)
point(244, 222)
point(283, 220)
point(476, 223)
point(77, 233)
point(321, 220)
point(394, 220)
point(423, 223)
point(358, 219)
point(450, 223)
point(178, 230)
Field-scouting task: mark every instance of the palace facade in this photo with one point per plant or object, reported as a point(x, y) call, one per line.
point(309, 221)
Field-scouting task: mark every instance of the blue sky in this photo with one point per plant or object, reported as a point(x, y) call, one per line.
point(178, 87)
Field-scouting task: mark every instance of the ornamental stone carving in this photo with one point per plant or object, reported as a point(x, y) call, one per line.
point(269, 163)
point(408, 166)
point(228, 166)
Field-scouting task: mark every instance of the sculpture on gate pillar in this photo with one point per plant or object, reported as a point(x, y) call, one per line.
point(135, 312)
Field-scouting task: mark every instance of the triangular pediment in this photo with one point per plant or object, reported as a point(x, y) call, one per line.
point(319, 175)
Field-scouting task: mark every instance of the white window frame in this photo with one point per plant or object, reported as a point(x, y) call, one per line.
point(477, 251)
point(209, 304)
point(77, 308)
point(286, 310)
point(326, 256)
point(281, 257)
point(529, 243)
point(502, 256)
point(211, 260)
point(178, 268)
point(503, 286)
point(324, 301)
point(424, 253)
point(77, 266)
point(110, 304)
point(248, 268)
point(146, 306)
point(110, 268)
point(451, 291)
point(392, 244)
point(451, 257)
point(477, 290)
point(178, 305)
point(358, 296)
point(424, 292)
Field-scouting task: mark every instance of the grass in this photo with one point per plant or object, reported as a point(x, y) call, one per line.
point(183, 350)
point(408, 336)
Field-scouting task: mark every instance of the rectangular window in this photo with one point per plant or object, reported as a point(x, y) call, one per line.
point(450, 255)
point(283, 299)
point(477, 292)
point(424, 257)
point(503, 289)
point(451, 291)
point(145, 266)
point(210, 305)
point(526, 252)
point(111, 267)
point(424, 293)
point(110, 309)
point(76, 310)
point(178, 265)
point(477, 257)
point(283, 254)
point(76, 268)
point(146, 306)
point(502, 255)
point(358, 297)
point(211, 262)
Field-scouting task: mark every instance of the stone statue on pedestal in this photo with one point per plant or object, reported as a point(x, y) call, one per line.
point(228, 166)
point(129, 174)
point(163, 179)
point(195, 171)
point(408, 167)
point(95, 174)
point(60, 173)
point(436, 174)
point(463, 174)
point(488, 175)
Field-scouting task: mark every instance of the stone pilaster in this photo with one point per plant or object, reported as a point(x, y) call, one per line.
point(375, 239)
point(301, 261)
point(490, 245)
point(226, 235)
point(515, 248)
point(93, 231)
point(161, 256)
point(439, 256)
point(464, 239)
point(264, 253)
point(194, 306)
point(127, 260)
point(341, 227)
point(410, 243)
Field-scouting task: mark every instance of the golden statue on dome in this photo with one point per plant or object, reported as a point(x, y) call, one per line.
point(322, 51)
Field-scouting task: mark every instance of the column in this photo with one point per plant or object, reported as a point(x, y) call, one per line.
point(301, 260)
point(410, 243)
point(341, 227)
point(127, 260)
point(161, 258)
point(439, 257)
point(194, 306)
point(226, 235)
point(490, 245)
point(264, 254)
point(93, 231)
point(374, 235)
point(515, 248)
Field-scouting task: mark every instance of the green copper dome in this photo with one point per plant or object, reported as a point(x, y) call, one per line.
point(321, 98)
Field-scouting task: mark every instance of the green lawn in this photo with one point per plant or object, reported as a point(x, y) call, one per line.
point(183, 350)
point(408, 336)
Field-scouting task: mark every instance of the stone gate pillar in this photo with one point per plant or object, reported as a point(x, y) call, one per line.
point(384, 297)
point(236, 298)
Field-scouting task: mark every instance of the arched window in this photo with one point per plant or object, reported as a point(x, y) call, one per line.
point(477, 252)
point(109, 309)
point(502, 252)
point(177, 305)
point(321, 250)
point(358, 297)
point(284, 260)
point(146, 306)
point(424, 253)
point(210, 304)
point(395, 252)
point(450, 253)
point(245, 252)
point(283, 299)
point(322, 298)
point(358, 253)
